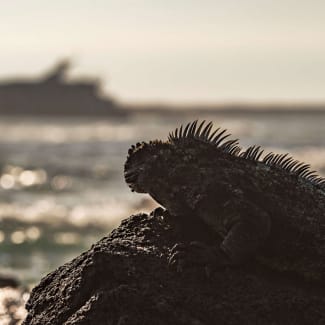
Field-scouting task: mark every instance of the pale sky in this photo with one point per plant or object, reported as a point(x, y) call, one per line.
point(174, 50)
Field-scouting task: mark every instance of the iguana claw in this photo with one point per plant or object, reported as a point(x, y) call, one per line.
point(195, 254)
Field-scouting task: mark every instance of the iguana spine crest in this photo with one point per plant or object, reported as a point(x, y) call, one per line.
point(285, 162)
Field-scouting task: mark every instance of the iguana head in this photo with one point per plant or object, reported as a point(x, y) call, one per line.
point(153, 167)
point(144, 165)
point(179, 168)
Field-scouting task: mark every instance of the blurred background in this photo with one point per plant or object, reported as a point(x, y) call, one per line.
point(80, 81)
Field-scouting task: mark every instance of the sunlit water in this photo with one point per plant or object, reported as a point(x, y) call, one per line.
point(62, 185)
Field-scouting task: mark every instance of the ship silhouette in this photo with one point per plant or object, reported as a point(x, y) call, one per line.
point(53, 94)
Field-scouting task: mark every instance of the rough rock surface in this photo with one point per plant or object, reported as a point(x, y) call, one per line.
point(125, 279)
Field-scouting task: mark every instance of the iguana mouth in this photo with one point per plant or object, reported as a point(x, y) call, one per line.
point(131, 178)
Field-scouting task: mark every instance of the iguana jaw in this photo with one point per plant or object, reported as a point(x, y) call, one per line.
point(139, 166)
point(133, 179)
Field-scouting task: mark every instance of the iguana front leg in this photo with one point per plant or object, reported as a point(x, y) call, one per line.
point(196, 253)
point(243, 235)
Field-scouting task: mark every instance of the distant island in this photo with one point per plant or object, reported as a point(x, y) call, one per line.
point(52, 94)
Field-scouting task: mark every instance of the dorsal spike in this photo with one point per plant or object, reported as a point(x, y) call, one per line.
point(212, 135)
point(197, 133)
point(186, 128)
point(275, 159)
point(206, 131)
point(250, 153)
point(222, 138)
point(282, 158)
point(303, 168)
point(218, 136)
point(192, 128)
point(287, 162)
point(235, 150)
point(229, 143)
point(181, 131)
point(259, 153)
point(268, 157)
point(292, 166)
point(298, 166)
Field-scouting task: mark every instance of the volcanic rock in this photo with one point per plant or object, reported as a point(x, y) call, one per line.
point(125, 279)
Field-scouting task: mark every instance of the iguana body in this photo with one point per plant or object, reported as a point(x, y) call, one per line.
point(274, 203)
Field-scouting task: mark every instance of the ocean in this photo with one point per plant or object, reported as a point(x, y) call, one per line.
point(62, 185)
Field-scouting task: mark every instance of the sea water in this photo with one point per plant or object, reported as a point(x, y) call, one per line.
point(62, 185)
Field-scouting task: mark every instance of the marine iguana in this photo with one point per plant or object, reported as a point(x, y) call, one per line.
point(257, 203)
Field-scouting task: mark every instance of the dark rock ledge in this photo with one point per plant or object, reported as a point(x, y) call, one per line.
point(124, 279)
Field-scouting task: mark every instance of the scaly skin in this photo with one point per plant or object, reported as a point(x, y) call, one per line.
point(273, 207)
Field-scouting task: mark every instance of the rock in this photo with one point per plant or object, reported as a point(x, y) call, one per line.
point(124, 279)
